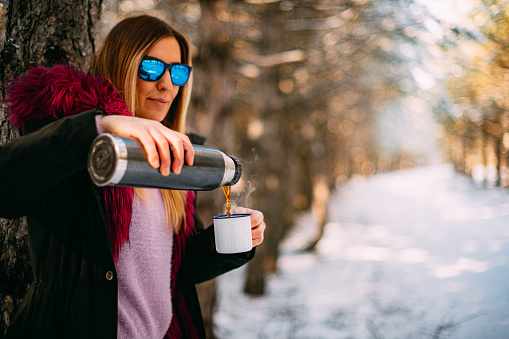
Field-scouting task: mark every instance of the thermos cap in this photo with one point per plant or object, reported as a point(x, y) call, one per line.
point(107, 161)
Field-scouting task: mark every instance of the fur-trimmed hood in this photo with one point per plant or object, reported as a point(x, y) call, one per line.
point(49, 94)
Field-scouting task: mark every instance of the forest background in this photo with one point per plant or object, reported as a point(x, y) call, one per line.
point(308, 95)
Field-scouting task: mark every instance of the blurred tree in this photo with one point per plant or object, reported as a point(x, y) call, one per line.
point(478, 86)
point(212, 113)
point(262, 123)
point(39, 32)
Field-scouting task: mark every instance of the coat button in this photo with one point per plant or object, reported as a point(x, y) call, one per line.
point(109, 275)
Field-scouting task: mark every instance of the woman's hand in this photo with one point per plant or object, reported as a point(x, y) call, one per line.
point(156, 140)
point(257, 224)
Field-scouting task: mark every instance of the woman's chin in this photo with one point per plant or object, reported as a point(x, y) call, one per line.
point(153, 112)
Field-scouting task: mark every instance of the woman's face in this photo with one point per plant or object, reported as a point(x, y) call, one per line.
point(154, 98)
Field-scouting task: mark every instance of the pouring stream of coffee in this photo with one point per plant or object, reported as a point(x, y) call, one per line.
point(227, 189)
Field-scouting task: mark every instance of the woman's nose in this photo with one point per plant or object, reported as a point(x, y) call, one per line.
point(165, 82)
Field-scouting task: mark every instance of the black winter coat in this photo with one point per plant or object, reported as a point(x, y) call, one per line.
point(43, 176)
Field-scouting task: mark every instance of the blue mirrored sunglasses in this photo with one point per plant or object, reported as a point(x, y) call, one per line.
point(152, 69)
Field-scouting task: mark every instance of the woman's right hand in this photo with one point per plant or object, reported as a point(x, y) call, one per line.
point(156, 140)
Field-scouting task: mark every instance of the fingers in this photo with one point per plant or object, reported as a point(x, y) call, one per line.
point(148, 144)
point(257, 227)
point(256, 216)
point(181, 148)
point(177, 149)
point(163, 152)
point(244, 210)
point(188, 148)
point(156, 139)
point(257, 224)
point(257, 233)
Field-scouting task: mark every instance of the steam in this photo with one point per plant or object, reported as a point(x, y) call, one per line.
point(241, 197)
point(250, 189)
point(241, 192)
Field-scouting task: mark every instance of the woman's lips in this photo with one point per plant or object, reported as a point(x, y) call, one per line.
point(161, 102)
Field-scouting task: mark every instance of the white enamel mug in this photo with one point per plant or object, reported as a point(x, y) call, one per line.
point(233, 233)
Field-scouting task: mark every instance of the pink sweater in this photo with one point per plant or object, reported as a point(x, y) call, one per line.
point(144, 270)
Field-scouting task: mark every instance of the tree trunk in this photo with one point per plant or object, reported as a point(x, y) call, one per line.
point(38, 32)
point(211, 110)
point(269, 176)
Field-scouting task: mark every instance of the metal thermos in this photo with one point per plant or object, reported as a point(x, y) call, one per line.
point(117, 161)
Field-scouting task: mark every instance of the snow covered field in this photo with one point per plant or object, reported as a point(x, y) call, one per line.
point(421, 253)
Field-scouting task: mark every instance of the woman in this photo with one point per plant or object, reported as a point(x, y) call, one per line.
point(109, 262)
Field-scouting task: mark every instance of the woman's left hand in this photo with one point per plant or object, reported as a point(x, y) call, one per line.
point(257, 223)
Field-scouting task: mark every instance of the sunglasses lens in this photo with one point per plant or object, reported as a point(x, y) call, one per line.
point(150, 70)
point(180, 74)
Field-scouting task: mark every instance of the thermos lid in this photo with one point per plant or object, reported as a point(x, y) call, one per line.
point(238, 172)
point(107, 160)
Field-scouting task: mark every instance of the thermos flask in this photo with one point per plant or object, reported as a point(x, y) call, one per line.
point(117, 161)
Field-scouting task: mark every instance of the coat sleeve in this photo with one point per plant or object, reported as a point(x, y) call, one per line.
point(203, 261)
point(32, 164)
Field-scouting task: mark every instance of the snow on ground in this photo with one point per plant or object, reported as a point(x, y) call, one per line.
point(421, 253)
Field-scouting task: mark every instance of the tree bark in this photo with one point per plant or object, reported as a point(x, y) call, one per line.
point(38, 33)
point(271, 171)
point(212, 113)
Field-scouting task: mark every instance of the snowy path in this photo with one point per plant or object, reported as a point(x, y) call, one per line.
point(421, 253)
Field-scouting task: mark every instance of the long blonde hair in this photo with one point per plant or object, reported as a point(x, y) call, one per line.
point(118, 60)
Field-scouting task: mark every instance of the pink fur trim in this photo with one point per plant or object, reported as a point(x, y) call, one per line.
point(54, 93)
point(118, 203)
